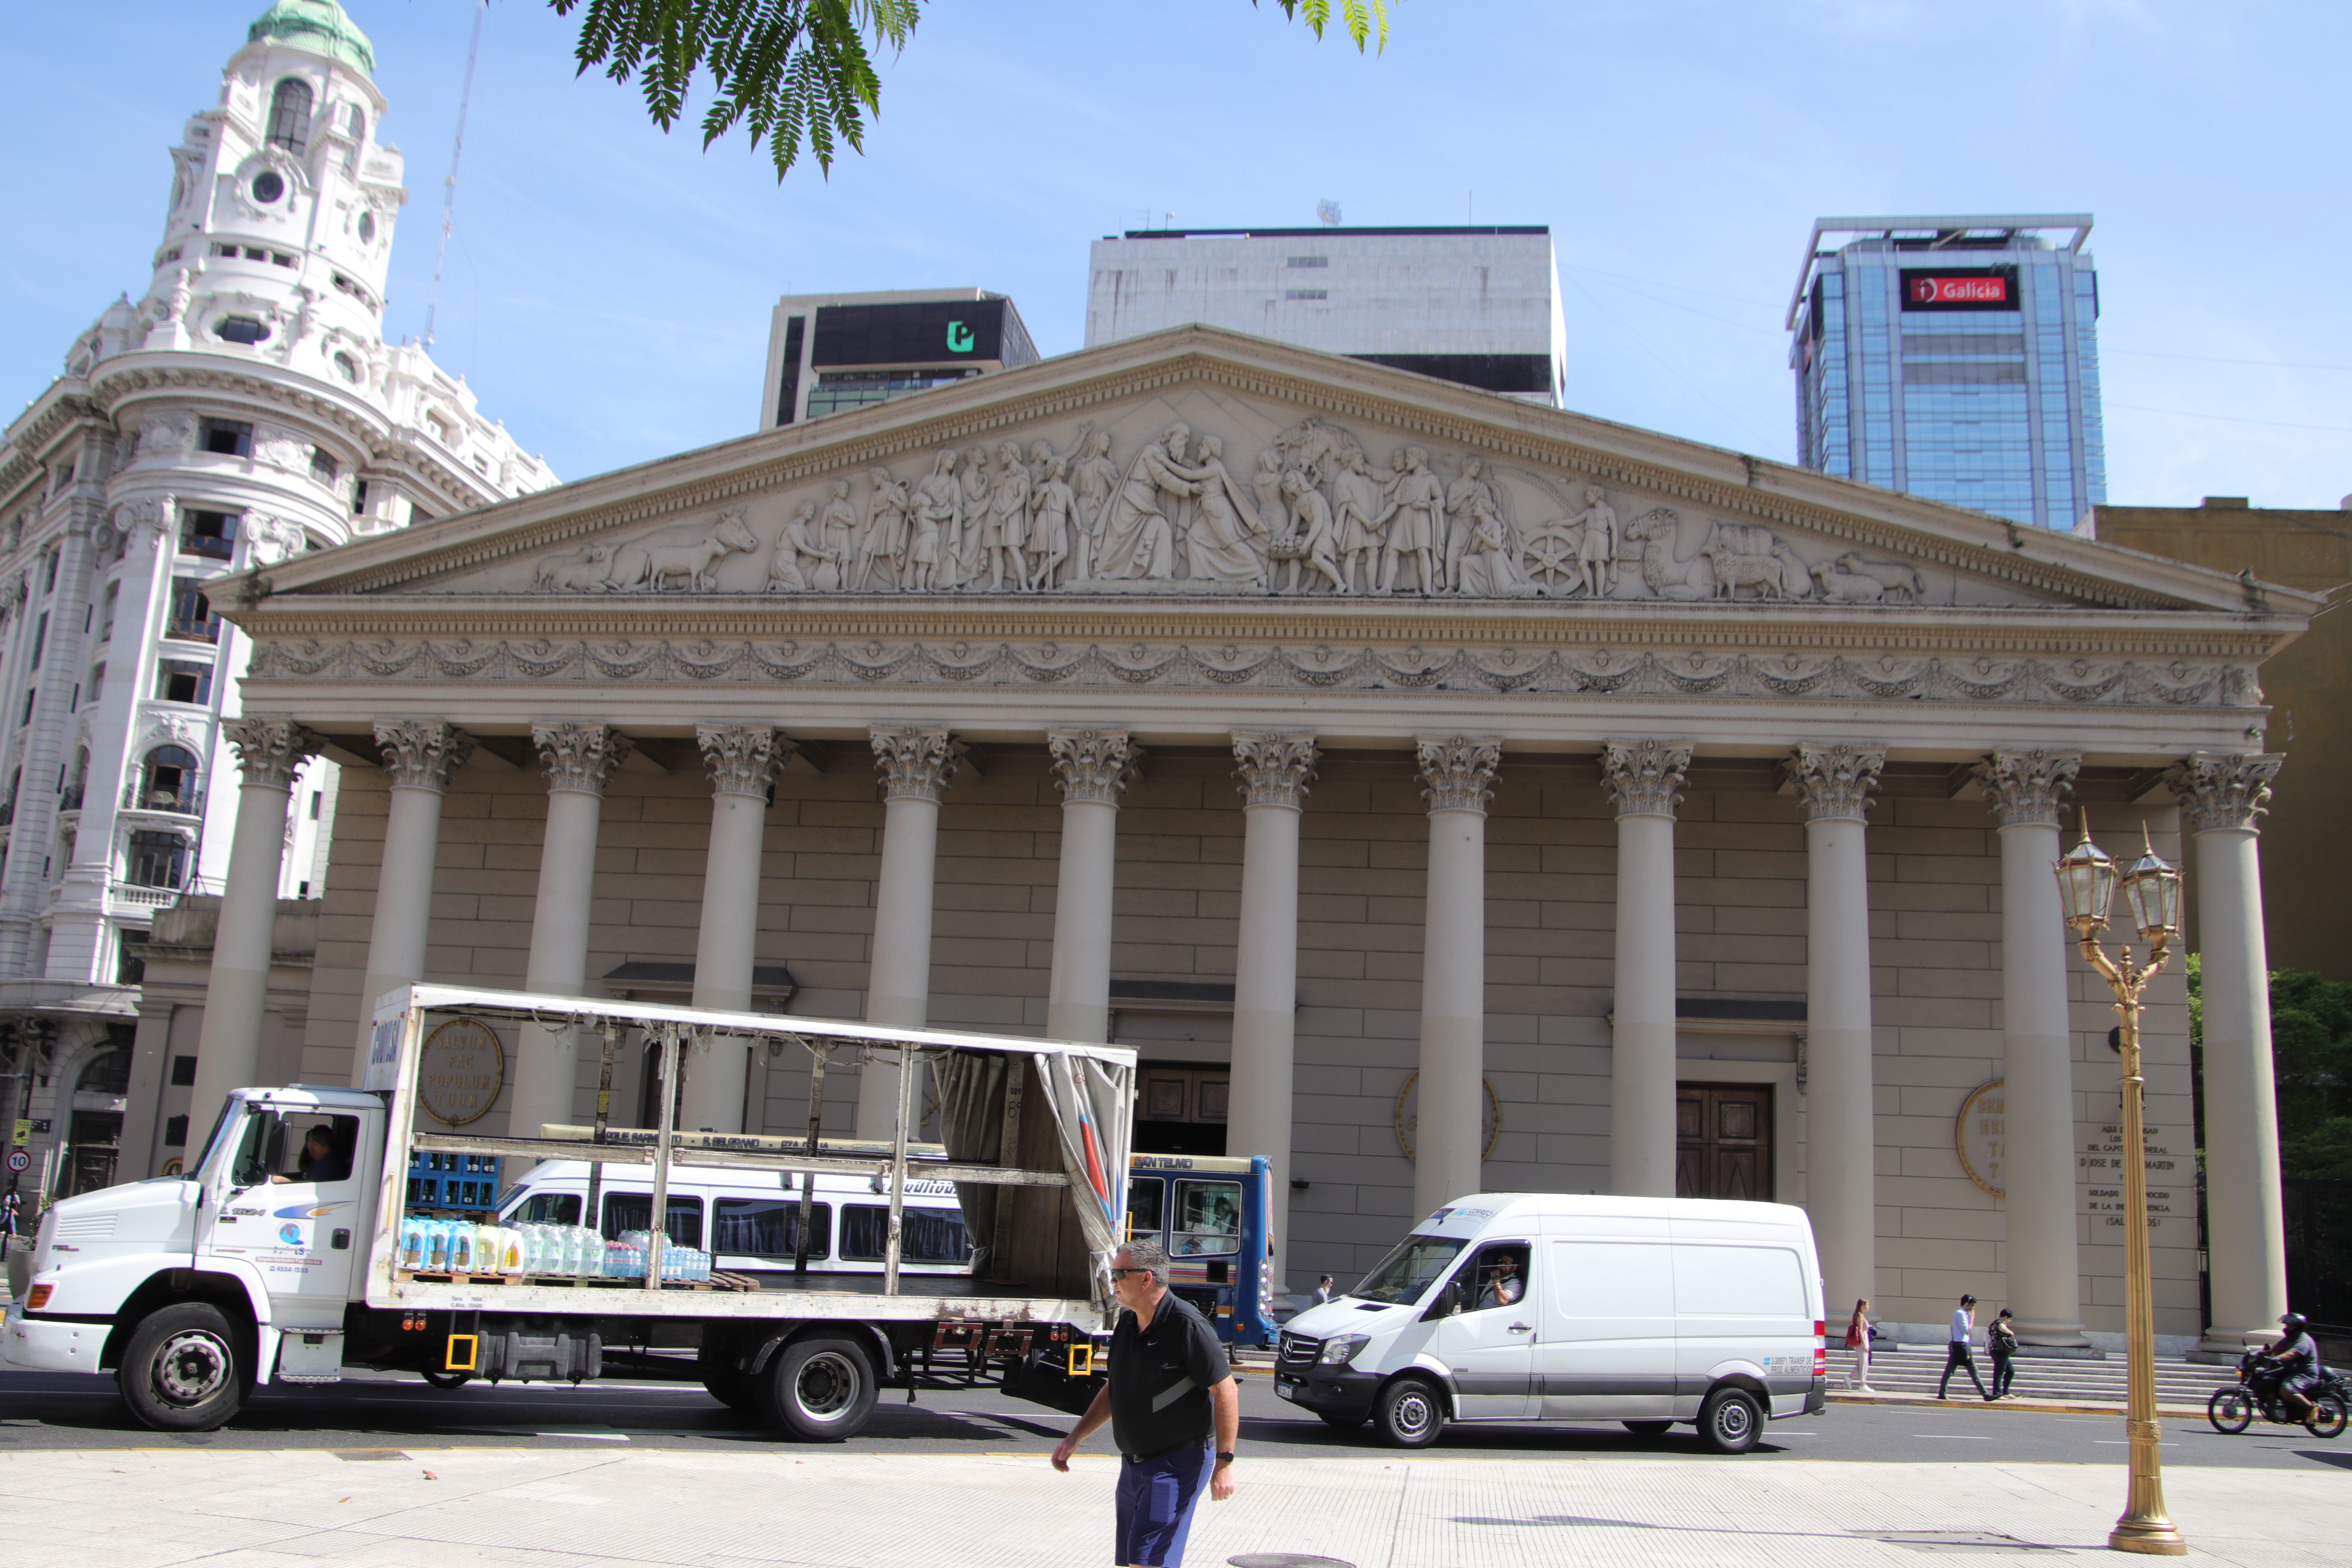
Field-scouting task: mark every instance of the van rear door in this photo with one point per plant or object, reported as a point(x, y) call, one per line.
point(1606, 1351)
point(1741, 1306)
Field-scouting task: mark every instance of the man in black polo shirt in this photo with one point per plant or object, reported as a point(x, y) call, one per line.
point(1170, 1390)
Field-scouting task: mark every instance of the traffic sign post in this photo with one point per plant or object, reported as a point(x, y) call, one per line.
point(19, 1162)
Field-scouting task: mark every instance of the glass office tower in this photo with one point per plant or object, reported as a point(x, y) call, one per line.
point(1956, 358)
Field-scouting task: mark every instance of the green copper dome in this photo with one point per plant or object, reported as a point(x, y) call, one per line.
point(320, 26)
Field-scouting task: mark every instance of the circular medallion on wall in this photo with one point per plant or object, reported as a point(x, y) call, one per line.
point(367, 228)
point(1408, 1120)
point(1981, 1136)
point(460, 1070)
point(268, 186)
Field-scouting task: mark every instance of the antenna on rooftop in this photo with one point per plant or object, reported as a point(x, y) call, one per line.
point(1328, 211)
point(449, 194)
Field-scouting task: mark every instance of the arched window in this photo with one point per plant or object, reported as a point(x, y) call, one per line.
point(168, 782)
point(108, 1072)
point(289, 115)
point(358, 122)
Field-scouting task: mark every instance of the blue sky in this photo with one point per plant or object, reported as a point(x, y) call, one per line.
point(607, 291)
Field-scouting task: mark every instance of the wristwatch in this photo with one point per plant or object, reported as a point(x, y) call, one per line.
point(1224, 1458)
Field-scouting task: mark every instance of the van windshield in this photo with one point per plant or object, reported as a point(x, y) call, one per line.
point(1406, 1274)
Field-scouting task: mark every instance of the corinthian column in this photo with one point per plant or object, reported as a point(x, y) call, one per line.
point(419, 756)
point(1647, 779)
point(236, 992)
point(1841, 1134)
point(1457, 775)
point(743, 760)
point(915, 766)
point(2221, 797)
point(1275, 770)
point(2027, 791)
point(1092, 767)
point(579, 761)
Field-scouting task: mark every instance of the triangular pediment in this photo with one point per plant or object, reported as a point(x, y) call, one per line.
point(1199, 464)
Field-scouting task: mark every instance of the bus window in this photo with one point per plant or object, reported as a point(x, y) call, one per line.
point(635, 1211)
point(546, 1208)
point(1146, 1202)
point(1208, 1218)
point(925, 1235)
point(770, 1228)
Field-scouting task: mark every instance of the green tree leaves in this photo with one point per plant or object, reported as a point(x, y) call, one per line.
point(2311, 1054)
point(799, 74)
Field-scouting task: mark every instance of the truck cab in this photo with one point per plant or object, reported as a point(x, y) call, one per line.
point(195, 1289)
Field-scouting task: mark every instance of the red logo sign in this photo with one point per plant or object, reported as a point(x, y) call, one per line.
point(1959, 291)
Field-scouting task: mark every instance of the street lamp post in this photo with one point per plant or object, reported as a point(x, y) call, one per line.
point(2088, 881)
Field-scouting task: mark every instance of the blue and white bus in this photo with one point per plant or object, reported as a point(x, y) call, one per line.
point(1210, 1213)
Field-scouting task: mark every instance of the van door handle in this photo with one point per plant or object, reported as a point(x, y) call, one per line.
point(1521, 1327)
point(342, 1240)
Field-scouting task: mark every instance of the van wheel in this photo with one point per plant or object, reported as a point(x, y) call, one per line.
point(823, 1389)
point(1648, 1428)
point(1409, 1413)
point(724, 1381)
point(1729, 1421)
point(182, 1370)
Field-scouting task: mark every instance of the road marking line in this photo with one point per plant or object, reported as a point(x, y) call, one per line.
point(1950, 1438)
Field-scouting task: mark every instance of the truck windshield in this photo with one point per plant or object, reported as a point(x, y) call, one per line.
point(1406, 1274)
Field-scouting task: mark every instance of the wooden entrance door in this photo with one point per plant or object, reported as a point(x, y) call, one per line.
point(1722, 1141)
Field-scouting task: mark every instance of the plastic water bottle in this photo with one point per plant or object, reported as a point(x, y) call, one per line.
point(461, 1253)
point(435, 1239)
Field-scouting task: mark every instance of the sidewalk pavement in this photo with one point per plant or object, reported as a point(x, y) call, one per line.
point(595, 1507)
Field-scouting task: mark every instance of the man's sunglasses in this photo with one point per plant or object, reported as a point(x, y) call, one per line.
point(1123, 1273)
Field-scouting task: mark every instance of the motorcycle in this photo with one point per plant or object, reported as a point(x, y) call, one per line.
point(2232, 1409)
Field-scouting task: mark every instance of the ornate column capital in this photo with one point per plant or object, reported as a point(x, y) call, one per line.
point(1836, 780)
point(743, 759)
point(580, 759)
point(269, 750)
point(421, 753)
point(915, 765)
point(1276, 769)
point(2028, 789)
point(1093, 764)
point(1646, 777)
point(1458, 772)
point(2225, 790)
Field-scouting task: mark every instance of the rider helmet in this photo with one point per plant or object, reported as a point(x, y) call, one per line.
point(2293, 1321)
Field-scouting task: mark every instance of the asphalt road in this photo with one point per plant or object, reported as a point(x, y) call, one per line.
point(61, 1411)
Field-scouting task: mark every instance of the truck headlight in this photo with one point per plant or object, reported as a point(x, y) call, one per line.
point(1340, 1349)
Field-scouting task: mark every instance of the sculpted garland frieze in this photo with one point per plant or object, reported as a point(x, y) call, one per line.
point(1598, 671)
point(1155, 505)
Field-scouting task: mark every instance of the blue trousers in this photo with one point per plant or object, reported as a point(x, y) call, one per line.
point(1156, 1498)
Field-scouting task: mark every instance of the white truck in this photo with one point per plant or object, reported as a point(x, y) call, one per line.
point(1548, 1307)
point(279, 1256)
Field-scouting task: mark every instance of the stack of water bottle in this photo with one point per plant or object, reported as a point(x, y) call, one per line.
point(467, 1247)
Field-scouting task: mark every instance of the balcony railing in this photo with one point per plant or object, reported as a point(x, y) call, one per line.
point(143, 897)
point(207, 546)
point(187, 800)
point(207, 630)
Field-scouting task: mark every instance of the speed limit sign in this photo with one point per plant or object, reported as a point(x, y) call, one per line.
point(19, 1160)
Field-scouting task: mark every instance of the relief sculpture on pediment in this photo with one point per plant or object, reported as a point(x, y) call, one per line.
point(1145, 504)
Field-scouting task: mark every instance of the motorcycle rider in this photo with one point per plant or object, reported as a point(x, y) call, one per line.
point(2296, 1375)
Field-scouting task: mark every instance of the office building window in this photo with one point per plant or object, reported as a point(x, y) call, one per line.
point(157, 859)
point(191, 615)
point(228, 437)
point(185, 680)
point(183, 1071)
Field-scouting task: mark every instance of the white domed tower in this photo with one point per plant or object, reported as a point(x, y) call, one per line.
point(247, 408)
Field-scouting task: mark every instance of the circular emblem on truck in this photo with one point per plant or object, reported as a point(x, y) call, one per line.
point(461, 1071)
point(1981, 1136)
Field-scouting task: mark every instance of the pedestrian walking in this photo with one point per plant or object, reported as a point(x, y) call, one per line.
point(1325, 1291)
point(11, 1211)
point(1857, 1340)
point(1174, 1409)
point(2001, 1341)
point(1957, 1354)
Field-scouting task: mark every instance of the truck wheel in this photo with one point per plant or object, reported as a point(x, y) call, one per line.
point(1729, 1421)
point(724, 1381)
point(182, 1370)
point(823, 1389)
point(1409, 1412)
point(1648, 1428)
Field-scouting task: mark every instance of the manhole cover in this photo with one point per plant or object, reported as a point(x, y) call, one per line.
point(1285, 1560)
point(1932, 1540)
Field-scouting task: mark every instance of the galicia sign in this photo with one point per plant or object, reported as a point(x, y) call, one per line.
point(1973, 289)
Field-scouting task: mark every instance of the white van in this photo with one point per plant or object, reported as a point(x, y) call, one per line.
point(1539, 1307)
point(749, 1221)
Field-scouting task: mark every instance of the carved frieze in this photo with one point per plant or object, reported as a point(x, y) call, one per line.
point(269, 751)
point(2028, 788)
point(579, 757)
point(1645, 777)
point(1458, 772)
point(915, 765)
point(1093, 765)
point(2219, 791)
point(743, 759)
point(1274, 769)
point(1834, 781)
point(421, 753)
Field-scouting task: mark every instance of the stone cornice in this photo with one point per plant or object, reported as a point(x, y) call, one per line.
point(1730, 483)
